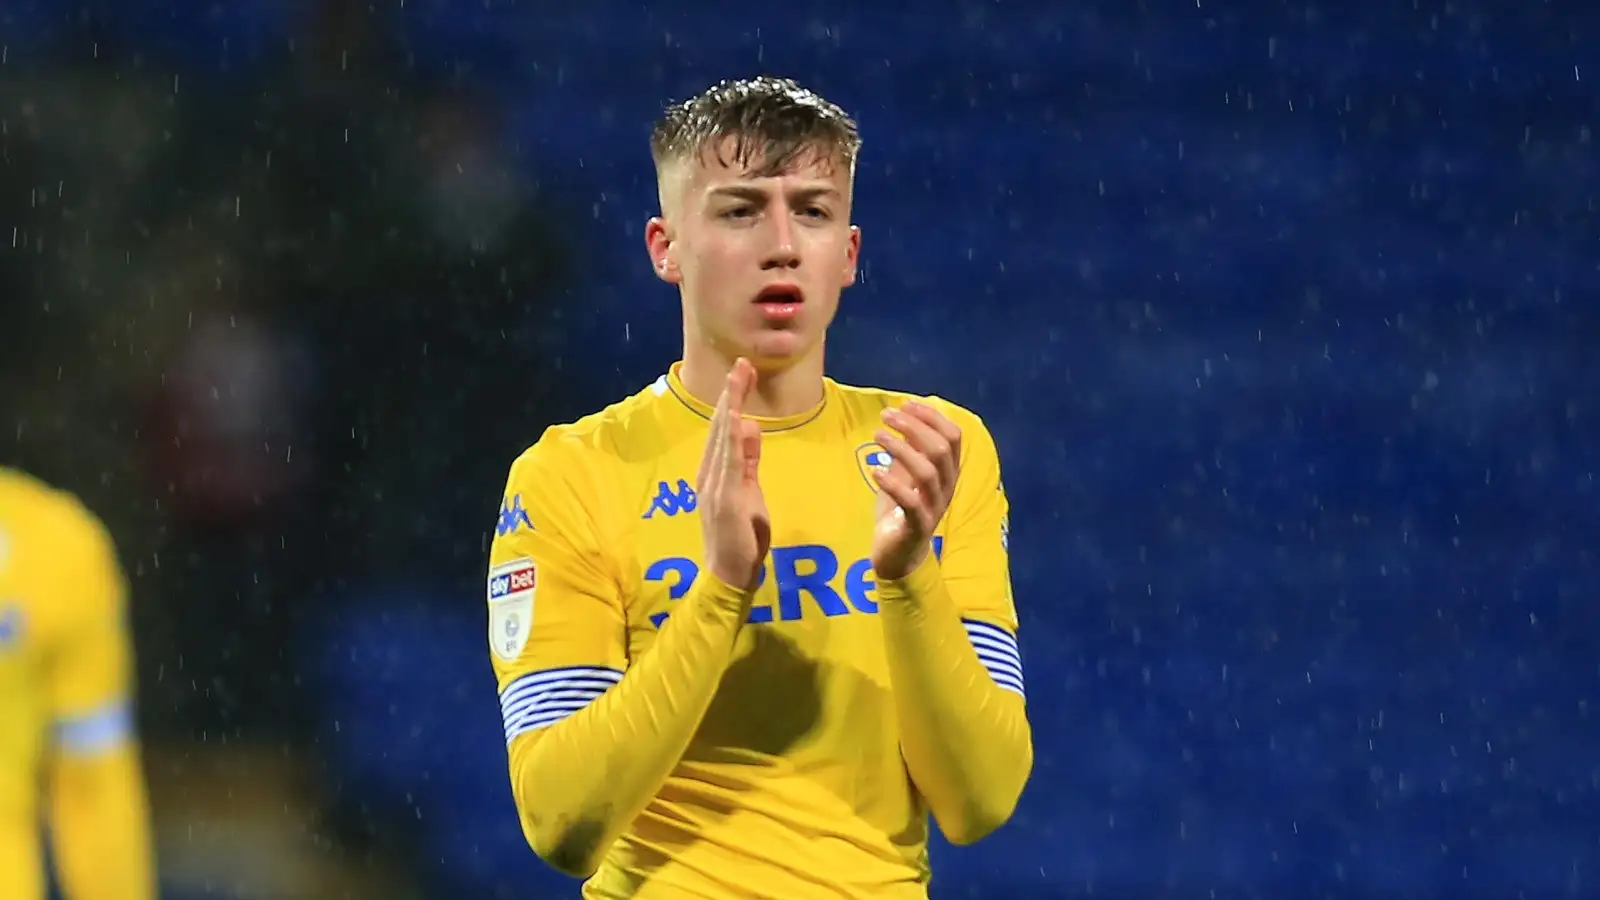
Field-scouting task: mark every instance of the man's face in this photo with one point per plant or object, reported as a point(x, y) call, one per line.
point(761, 260)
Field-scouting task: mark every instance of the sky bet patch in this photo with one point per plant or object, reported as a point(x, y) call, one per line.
point(511, 588)
point(510, 580)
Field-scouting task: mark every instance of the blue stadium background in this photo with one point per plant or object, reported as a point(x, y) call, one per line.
point(1283, 315)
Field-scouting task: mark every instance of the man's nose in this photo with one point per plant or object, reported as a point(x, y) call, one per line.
point(782, 252)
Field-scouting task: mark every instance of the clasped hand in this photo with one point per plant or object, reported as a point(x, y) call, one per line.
point(914, 490)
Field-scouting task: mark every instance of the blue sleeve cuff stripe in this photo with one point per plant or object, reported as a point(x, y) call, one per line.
point(544, 698)
point(534, 724)
point(547, 677)
point(541, 682)
point(515, 706)
point(1009, 666)
point(543, 714)
point(998, 651)
point(540, 699)
point(95, 732)
point(1004, 677)
point(993, 637)
point(530, 686)
point(1010, 684)
point(974, 626)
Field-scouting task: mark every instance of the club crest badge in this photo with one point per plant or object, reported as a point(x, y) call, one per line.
point(872, 459)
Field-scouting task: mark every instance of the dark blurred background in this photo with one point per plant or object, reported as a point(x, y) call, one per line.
point(1283, 315)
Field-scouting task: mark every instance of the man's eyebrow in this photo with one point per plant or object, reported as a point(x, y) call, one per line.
point(740, 191)
point(750, 192)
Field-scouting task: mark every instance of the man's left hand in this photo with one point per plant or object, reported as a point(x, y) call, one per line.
point(915, 490)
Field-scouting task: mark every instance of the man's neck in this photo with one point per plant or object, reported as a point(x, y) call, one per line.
point(777, 392)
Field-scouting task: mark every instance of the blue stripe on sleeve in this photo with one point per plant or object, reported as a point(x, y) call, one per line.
point(96, 731)
point(541, 699)
point(998, 651)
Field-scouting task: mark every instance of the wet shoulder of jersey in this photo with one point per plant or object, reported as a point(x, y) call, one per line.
point(864, 405)
point(626, 432)
point(600, 466)
point(604, 482)
point(48, 539)
point(47, 516)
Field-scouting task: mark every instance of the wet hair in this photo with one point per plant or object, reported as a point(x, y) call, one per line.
point(769, 121)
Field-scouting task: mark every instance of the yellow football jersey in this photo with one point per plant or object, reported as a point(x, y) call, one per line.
point(794, 785)
point(64, 660)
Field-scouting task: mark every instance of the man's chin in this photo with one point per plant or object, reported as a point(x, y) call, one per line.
point(779, 349)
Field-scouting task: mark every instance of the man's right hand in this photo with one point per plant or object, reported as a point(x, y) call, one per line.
point(733, 513)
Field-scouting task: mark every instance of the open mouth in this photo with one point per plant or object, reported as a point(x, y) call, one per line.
point(780, 301)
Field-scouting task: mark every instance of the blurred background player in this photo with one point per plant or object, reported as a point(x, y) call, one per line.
point(67, 754)
point(841, 655)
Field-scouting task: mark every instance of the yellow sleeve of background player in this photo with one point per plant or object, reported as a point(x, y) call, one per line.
point(591, 736)
point(950, 635)
point(99, 817)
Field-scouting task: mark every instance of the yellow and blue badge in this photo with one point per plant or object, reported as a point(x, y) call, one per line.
point(10, 625)
point(872, 460)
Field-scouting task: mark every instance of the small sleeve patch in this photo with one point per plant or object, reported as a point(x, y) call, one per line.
point(95, 732)
point(511, 588)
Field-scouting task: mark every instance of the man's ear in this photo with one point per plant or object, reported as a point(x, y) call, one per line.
point(658, 240)
point(852, 262)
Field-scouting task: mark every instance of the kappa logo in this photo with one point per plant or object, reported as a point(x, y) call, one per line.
point(670, 501)
point(873, 461)
point(512, 516)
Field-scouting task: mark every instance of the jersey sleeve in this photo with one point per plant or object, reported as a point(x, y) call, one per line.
point(975, 556)
point(90, 660)
point(557, 630)
point(950, 644)
point(587, 746)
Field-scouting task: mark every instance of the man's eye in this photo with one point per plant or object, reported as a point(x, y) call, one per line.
point(738, 212)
